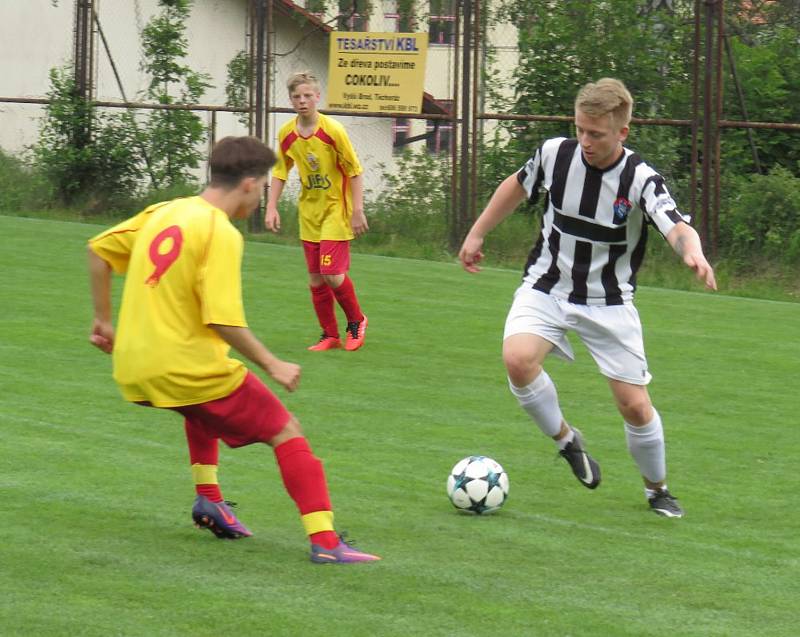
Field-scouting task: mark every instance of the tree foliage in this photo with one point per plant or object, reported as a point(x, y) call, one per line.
point(175, 134)
point(85, 154)
point(649, 44)
point(237, 83)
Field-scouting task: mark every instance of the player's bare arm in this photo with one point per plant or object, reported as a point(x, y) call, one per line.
point(272, 218)
point(102, 332)
point(359, 219)
point(245, 342)
point(504, 201)
point(686, 244)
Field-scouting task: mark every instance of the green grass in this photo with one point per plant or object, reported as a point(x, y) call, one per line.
point(96, 492)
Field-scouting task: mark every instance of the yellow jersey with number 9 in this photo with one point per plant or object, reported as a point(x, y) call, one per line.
point(326, 161)
point(182, 265)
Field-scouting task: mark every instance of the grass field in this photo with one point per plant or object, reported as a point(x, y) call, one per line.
point(96, 493)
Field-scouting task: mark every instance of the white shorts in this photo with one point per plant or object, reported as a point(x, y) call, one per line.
point(611, 333)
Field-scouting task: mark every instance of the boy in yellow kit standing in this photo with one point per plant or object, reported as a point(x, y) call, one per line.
point(330, 209)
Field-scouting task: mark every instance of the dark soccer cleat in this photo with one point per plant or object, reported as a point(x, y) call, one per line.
point(342, 553)
point(325, 343)
point(666, 504)
point(356, 331)
point(583, 465)
point(218, 518)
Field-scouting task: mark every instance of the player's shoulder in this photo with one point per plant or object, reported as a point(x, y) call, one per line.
point(149, 210)
point(287, 127)
point(331, 126)
point(633, 161)
point(553, 145)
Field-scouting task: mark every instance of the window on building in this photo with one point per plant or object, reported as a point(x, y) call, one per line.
point(441, 132)
point(398, 16)
point(400, 130)
point(353, 15)
point(442, 22)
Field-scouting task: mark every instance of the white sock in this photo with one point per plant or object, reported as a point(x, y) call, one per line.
point(563, 442)
point(540, 400)
point(649, 493)
point(646, 445)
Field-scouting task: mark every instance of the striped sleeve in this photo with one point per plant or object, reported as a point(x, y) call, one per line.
point(531, 175)
point(657, 204)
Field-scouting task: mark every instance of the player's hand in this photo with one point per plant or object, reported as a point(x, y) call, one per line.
point(359, 223)
point(702, 269)
point(102, 336)
point(285, 374)
point(470, 254)
point(272, 220)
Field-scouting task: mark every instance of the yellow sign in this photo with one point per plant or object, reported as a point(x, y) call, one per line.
point(377, 72)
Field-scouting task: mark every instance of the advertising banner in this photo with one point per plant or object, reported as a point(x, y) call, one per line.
point(376, 72)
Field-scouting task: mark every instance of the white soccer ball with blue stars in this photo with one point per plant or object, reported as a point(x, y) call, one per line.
point(477, 484)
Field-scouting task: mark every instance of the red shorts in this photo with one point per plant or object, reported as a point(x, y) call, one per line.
point(252, 413)
point(327, 257)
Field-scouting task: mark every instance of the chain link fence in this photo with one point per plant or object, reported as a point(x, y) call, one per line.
point(485, 106)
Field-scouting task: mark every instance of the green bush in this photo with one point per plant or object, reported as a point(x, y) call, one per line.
point(22, 187)
point(761, 218)
point(410, 215)
point(86, 155)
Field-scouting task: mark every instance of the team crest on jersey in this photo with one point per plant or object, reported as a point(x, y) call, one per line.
point(313, 161)
point(621, 209)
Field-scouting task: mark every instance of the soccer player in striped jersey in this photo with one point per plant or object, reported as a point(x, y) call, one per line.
point(330, 209)
point(581, 276)
point(181, 312)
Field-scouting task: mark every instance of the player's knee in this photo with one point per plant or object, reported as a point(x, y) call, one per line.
point(636, 410)
point(522, 367)
point(333, 280)
point(290, 430)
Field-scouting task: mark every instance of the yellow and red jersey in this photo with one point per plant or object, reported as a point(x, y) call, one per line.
point(182, 261)
point(326, 162)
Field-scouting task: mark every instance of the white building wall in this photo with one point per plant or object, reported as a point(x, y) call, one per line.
point(32, 39)
point(37, 36)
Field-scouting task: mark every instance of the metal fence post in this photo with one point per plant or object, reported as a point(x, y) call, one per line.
point(258, 102)
point(463, 215)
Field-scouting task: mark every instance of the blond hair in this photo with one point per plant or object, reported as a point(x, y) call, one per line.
point(302, 77)
point(607, 96)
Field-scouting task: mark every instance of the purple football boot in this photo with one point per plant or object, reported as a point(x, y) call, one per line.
point(218, 518)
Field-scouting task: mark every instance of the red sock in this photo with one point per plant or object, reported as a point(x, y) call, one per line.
point(304, 479)
point(322, 298)
point(203, 450)
point(346, 296)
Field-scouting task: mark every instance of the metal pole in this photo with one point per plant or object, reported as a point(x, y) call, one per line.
point(256, 221)
point(259, 27)
point(695, 111)
point(473, 166)
point(708, 136)
point(83, 36)
point(268, 79)
point(720, 8)
point(452, 220)
point(466, 119)
point(740, 94)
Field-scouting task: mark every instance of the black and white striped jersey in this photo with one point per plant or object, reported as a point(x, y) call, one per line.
point(594, 227)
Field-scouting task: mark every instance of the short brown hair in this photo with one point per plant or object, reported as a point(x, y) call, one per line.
point(301, 77)
point(607, 96)
point(234, 158)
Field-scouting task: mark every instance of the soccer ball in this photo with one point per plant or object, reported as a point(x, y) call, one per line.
point(477, 484)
